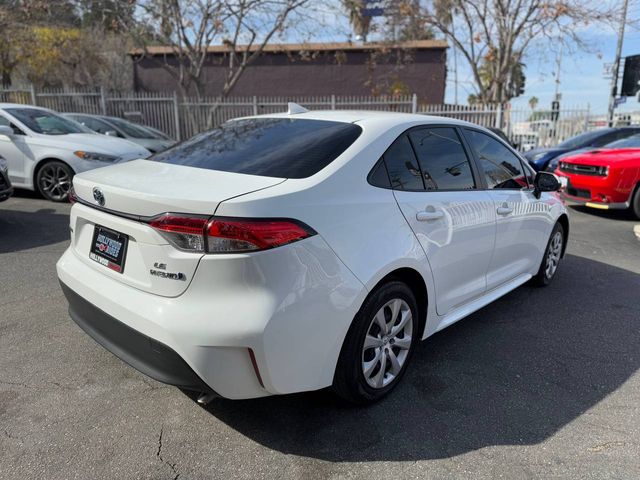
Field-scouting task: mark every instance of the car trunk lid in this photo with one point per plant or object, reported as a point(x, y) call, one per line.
point(110, 230)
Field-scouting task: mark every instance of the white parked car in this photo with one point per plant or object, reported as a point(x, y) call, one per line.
point(292, 252)
point(44, 150)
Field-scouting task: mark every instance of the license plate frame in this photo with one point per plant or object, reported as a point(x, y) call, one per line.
point(109, 248)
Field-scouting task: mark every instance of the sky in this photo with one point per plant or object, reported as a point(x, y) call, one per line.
point(582, 81)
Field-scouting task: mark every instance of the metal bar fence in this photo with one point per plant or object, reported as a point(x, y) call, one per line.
point(182, 118)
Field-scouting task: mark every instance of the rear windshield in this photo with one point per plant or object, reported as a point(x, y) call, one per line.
point(271, 147)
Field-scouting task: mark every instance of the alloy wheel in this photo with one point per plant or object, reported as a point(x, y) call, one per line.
point(55, 182)
point(387, 343)
point(553, 254)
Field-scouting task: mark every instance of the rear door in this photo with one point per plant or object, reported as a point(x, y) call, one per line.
point(522, 222)
point(436, 188)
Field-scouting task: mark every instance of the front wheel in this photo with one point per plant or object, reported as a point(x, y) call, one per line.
point(552, 256)
point(54, 180)
point(379, 344)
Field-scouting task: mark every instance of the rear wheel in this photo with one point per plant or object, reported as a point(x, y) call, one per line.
point(635, 203)
point(379, 345)
point(552, 256)
point(54, 180)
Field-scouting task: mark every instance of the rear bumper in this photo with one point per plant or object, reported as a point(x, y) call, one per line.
point(291, 306)
point(143, 353)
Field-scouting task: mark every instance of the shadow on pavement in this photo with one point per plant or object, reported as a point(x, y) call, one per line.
point(21, 230)
point(513, 373)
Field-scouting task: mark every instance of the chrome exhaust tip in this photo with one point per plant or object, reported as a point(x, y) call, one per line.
point(206, 398)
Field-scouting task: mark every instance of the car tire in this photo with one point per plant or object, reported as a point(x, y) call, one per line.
point(53, 180)
point(635, 203)
point(551, 258)
point(388, 322)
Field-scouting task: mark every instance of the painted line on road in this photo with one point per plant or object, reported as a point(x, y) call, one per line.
point(636, 230)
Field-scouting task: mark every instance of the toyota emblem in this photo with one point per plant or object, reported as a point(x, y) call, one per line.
point(98, 196)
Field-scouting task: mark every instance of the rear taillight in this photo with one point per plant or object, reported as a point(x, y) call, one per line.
point(185, 232)
point(228, 235)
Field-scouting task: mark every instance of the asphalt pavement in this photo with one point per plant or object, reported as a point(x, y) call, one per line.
point(542, 383)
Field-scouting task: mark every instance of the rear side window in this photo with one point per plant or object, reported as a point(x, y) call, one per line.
point(271, 147)
point(402, 166)
point(502, 168)
point(442, 158)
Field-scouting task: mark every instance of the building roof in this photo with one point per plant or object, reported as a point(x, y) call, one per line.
point(314, 47)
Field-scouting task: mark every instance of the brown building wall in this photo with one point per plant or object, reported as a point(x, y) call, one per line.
point(306, 73)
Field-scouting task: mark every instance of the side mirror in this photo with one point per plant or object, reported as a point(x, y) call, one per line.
point(111, 133)
point(545, 182)
point(6, 131)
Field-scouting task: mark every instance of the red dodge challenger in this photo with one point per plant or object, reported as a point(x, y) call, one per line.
point(605, 178)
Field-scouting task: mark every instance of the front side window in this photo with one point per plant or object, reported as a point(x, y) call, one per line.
point(46, 123)
point(271, 147)
point(442, 159)
point(502, 168)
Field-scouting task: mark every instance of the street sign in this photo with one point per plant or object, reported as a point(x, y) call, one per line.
point(373, 12)
point(620, 101)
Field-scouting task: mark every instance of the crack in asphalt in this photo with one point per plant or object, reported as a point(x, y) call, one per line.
point(159, 455)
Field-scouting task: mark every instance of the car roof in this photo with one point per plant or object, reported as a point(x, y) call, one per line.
point(365, 116)
point(22, 105)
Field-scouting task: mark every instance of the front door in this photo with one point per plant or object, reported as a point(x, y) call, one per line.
point(522, 220)
point(435, 186)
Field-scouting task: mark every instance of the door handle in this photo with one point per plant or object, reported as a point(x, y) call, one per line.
point(428, 215)
point(504, 209)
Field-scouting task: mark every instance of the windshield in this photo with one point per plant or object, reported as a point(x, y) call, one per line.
point(629, 142)
point(582, 140)
point(271, 147)
point(130, 129)
point(155, 133)
point(46, 123)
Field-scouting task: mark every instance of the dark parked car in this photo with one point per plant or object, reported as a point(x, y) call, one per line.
point(6, 190)
point(539, 158)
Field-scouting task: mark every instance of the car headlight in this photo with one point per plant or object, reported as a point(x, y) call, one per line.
point(4, 166)
point(96, 157)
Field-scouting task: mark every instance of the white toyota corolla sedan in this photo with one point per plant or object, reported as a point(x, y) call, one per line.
point(293, 252)
point(45, 150)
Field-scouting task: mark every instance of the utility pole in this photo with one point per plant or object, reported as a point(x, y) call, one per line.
point(455, 62)
point(616, 64)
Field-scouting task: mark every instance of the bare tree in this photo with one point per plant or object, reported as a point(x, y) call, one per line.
point(495, 35)
point(189, 28)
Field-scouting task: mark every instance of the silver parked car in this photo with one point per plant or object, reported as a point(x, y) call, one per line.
point(118, 127)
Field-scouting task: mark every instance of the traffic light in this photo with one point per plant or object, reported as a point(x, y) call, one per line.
point(555, 110)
